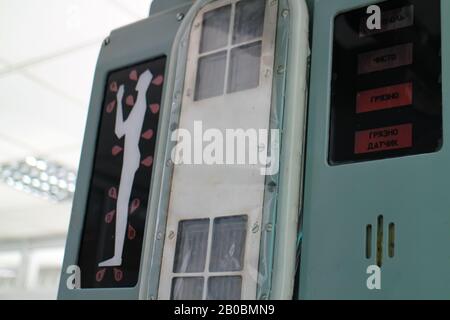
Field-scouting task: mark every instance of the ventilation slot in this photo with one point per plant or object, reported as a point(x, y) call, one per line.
point(380, 244)
point(369, 241)
point(391, 240)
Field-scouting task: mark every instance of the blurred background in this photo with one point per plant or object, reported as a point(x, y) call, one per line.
point(48, 52)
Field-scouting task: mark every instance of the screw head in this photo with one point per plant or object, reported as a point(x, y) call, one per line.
point(159, 236)
point(255, 228)
point(180, 16)
point(171, 235)
point(285, 13)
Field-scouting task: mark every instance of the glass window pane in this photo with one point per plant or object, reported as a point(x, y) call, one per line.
point(228, 247)
point(192, 242)
point(249, 22)
point(211, 76)
point(224, 288)
point(216, 25)
point(245, 67)
point(187, 289)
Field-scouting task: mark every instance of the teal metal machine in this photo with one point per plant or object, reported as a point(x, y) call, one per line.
point(357, 209)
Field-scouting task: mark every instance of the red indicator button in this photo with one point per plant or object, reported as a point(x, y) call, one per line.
point(382, 139)
point(384, 98)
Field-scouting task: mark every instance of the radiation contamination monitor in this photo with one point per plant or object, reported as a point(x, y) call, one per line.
point(190, 179)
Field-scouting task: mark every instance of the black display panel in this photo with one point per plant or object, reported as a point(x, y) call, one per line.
point(386, 91)
point(110, 252)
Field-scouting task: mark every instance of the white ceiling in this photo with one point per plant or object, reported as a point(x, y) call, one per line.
point(48, 52)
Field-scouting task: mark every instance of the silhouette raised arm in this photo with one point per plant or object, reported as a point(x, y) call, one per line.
point(120, 124)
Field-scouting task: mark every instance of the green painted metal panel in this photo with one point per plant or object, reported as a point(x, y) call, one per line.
point(340, 201)
point(127, 46)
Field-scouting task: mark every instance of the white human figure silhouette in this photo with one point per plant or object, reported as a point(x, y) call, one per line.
point(131, 129)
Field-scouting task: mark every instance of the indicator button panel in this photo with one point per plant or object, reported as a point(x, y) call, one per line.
point(386, 91)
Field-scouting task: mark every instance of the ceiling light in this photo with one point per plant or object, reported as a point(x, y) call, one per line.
point(42, 178)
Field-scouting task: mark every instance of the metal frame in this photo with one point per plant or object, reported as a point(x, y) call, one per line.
point(292, 52)
point(126, 46)
point(213, 114)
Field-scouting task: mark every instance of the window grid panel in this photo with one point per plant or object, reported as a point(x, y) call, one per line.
point(187, 288)
point(229, 238)
point(211, 73)
point(245, 68)
point(231, 47)
point(211, 33)
point(205, 274)
point(224, 288)
point(249, 14)
point(208, 258)
point(190, 250)
point(230, 38)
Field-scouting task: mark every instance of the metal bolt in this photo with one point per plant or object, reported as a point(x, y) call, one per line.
point(180, 16)
point(285, 13)
point(171, 235)
point(255, 228)
point(107, 41)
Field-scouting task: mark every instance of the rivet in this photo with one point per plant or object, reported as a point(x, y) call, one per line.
point(159, 236)
point(269, 227)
